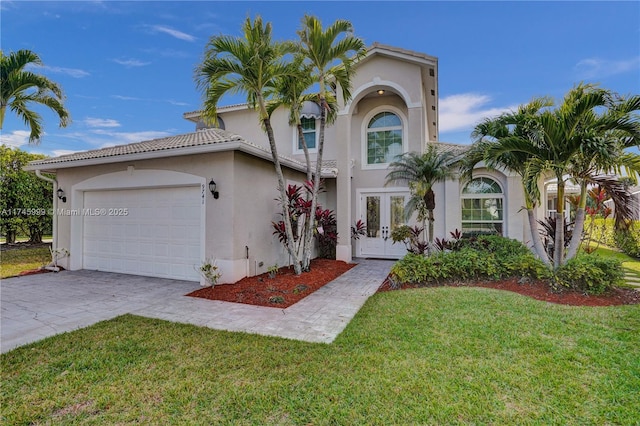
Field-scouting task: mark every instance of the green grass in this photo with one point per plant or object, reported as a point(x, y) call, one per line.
point(631, 265)
point(423, 356)
point(14, 261)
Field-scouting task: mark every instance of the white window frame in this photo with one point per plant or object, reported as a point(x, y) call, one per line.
point(297, 150)
point(365, 132)
point(500, 196)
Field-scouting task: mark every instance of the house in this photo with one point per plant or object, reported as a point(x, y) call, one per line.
point(150, 208)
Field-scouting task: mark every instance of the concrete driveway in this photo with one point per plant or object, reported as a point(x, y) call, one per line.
point(39, 306)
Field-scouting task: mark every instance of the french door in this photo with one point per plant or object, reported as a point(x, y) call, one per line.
point(382, 212)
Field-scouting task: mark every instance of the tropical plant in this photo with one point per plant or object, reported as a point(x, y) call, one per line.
point(491, 136)
point(329, 55)
point(358, 229)
point(421, 172)
point(251, 65)
point(210, 272)
point(25, 200)
point(411, 238)
point(581, 139)
point(20, 89)
point(596, 209)
point(324, 224)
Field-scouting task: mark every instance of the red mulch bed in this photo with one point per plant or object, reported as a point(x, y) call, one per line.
point(264, 291)
point(261, 290)
point(541, 291)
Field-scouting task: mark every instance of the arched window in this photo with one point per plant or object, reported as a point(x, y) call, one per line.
point(482, 207)
point(384, 138)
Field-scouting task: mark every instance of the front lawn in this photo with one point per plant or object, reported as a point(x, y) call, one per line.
point(424, 356)
point(16, 260)
point(630, 264)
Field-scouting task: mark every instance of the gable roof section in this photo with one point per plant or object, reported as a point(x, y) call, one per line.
point(373, 50)
point(399, 53)
point(199, 142)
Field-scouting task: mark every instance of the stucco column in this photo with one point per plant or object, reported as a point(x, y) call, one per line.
point(343, 188)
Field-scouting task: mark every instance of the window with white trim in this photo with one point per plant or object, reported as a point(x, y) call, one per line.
point(309, 132)
point(482, 202)
point(384, 138)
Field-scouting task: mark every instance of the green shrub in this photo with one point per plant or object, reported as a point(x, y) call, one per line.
point(590, 274)
point(603, 230)
point(628, 241)
point(485, 257)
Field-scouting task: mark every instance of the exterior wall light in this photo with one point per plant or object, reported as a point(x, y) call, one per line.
point(380, 92)
point(212, 189)
point(60, 194)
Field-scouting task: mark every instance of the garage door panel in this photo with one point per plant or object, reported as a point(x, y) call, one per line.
point(160, 235)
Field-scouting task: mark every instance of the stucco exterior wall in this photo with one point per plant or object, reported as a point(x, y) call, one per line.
point(240, 218)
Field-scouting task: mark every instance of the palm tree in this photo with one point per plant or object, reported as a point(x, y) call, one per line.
point(605, 136)
point(327, 53)
point(289, 92)
point(493, 133)
point(421, 172)
point(19, 89)
point(574, 140)
point(250, 64)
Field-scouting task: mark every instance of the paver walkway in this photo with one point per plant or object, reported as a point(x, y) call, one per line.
point(38, 306)
point(632, 280)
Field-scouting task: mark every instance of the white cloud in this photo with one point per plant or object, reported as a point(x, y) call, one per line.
point(126, 98)
point(465, 110)
point(108, 138)
point(15, 139)
point(129, 63)
point(173, 33)
point(72, 72)
point(597, 68)
point(101, 122)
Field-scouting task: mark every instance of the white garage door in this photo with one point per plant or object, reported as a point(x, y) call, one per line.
point(151, 232)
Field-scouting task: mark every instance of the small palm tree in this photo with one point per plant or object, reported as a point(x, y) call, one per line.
point(330, 53)
point(19, 89)
point(421, 172)
point(251, 64)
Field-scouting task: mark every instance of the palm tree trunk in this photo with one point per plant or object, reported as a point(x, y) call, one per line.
point(291, 244)
point(3, 110)
point(306, 258)
point(538, 247)
point(558, 254)
point(431, 219)
point(578, 226)
point(310, 219)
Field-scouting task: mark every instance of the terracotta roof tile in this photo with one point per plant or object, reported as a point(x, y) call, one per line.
point(199, 138)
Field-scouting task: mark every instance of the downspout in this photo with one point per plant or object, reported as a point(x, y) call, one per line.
point(54, 244)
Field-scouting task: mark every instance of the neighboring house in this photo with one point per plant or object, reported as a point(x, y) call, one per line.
point(173, 222)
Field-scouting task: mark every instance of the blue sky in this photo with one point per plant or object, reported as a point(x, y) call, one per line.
point(127, 67)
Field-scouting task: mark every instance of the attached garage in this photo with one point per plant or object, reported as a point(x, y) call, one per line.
point(153, 232)
point(139, 222)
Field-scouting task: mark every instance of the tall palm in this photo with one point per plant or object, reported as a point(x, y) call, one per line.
point(605, 136)
point(421, 172)
point(20, 89)
point(573, 131)
point(331, 54)
point(490, 135)
point(250, 64)
point(289, 92)
point(559, 139)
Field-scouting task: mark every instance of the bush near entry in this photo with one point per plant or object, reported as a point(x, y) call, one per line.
point(495, 258)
